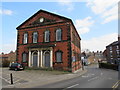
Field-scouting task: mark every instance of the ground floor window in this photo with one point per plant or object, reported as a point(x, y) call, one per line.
point(24, 57)
point(59, 56)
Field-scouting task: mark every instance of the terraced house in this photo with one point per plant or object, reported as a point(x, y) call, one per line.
point(113, 52)
point(49, 40)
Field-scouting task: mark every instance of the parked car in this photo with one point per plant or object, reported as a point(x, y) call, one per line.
point(16, 66)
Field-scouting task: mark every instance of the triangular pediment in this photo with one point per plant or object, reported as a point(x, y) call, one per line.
point(42, 18)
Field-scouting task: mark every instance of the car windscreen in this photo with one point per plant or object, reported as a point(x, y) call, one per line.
point(14, 64)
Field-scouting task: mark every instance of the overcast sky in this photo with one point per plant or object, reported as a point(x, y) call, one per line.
point(96, 20)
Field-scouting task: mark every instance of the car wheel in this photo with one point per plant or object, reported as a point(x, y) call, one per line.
point(16, 69)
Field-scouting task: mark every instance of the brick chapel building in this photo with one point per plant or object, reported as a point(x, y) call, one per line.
point(49, 40)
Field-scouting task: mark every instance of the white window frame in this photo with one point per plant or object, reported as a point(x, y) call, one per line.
point(58, 59)
point(58, 37)
point(117, 47)
point(47, 36)
point(111, 52)
point(35, 39)
point(25, 38)
point(110, 47)
point(24, 57)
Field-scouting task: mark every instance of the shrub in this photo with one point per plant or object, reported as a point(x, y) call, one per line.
point(5, 63)
point(108, 66)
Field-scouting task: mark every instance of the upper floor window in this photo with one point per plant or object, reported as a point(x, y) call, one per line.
point(110, 52)
point(110, 47)
point(117, 52)
point(58, 34)
point(59, 56)
point(25, 40)
point(24, 57)
point(117, 47)
point(47, 36)
point(35, 37)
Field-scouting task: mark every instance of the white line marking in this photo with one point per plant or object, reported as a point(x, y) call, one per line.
point(5, 80)
point(72, 86)
point(92, 78)
point(84, 76)
point(116, 84)
point(16, 81)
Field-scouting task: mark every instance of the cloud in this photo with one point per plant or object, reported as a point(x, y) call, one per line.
point(6, 12)
point(107, 9)
point(64, 2)
point(83, 26)
point(110, 15)
point(67, 4)
point(6, 48)
point(99, 43)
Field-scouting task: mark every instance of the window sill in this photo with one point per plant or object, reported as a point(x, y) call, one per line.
point(58, 41)
point(25, 43)
point(58, 62)
point(24, 62)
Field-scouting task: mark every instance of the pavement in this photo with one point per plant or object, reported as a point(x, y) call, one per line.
point(32, 78)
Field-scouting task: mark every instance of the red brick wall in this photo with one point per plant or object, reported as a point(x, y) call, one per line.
point(41, 30)
point(76, 49)
point(67, 29)
point(63, 46)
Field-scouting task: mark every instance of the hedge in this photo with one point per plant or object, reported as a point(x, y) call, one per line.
point(5, 63)
point(108, 66)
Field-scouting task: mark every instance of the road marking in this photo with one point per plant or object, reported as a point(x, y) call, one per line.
point(5, 80)
point(116, 84)
point(8, 80)
point(84, 76)
point(16, 81)
point(72, 86)
point(88, 75)
point(93, 78)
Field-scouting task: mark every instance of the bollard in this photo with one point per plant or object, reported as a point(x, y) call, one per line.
point(11, 78)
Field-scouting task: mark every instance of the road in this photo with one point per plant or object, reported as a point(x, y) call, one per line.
point(94, 78)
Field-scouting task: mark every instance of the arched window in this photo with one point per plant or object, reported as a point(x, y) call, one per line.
point(58, 35)
point(35, 37)
point(24, 57)
point(47, 36)
point(59, 56)
point(25, 38)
